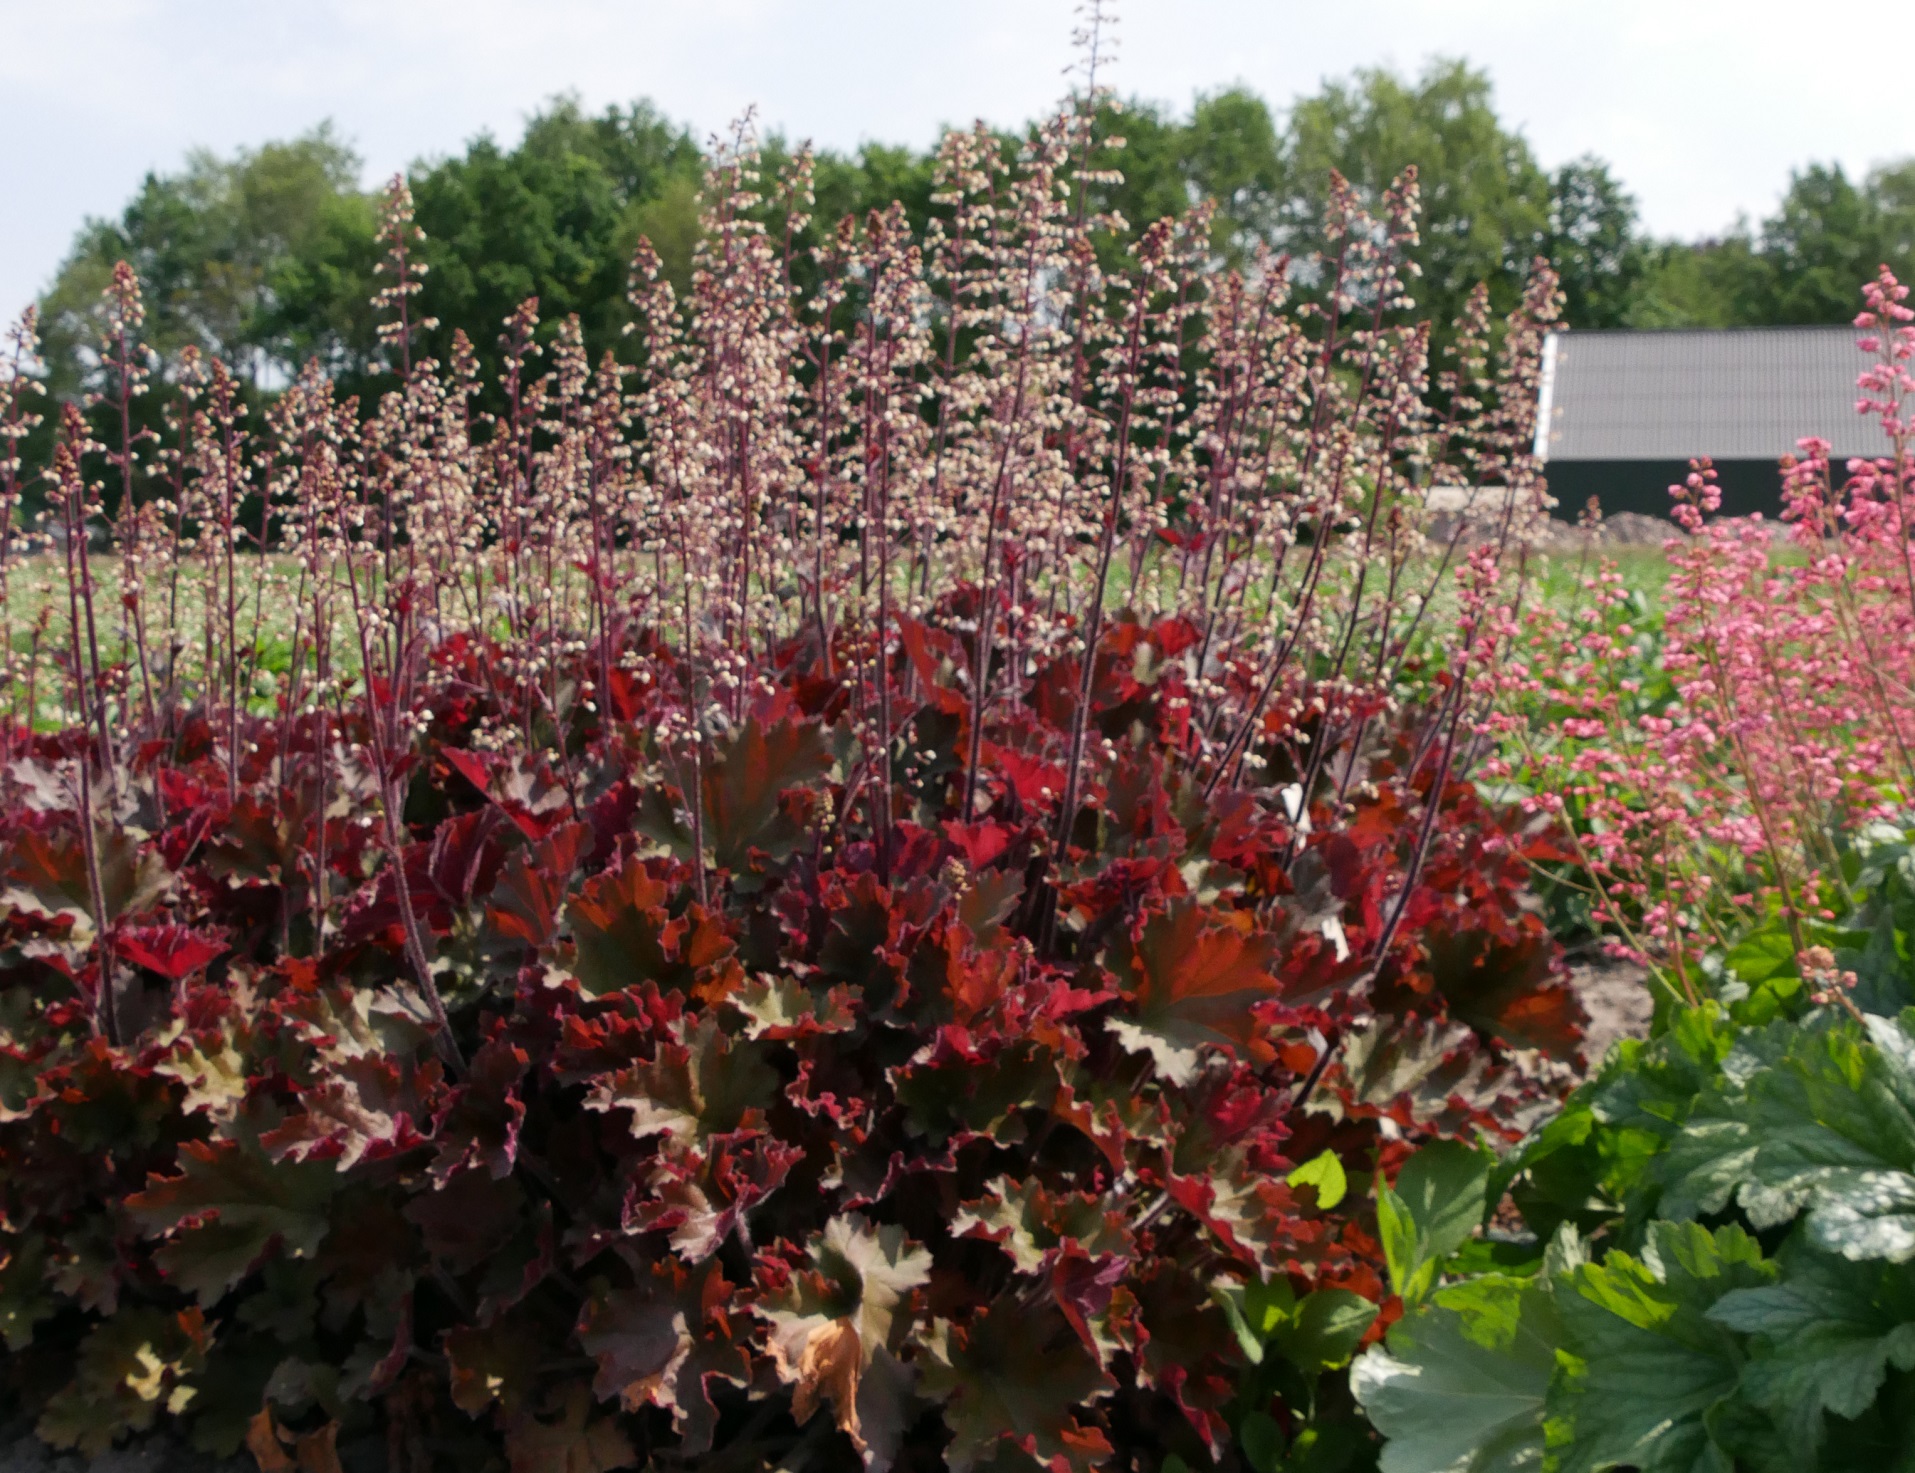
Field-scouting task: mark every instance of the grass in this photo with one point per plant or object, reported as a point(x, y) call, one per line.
point(36, 615)
point(1644, 570)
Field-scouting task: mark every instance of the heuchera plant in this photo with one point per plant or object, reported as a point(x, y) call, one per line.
point(840, 896)
point(1710, 765)
point(1717, 1270)
point(1703, 1260)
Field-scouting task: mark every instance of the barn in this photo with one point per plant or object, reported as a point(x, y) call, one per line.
point(1622, 412)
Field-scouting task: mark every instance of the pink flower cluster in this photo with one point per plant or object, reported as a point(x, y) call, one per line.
point(1708, 785)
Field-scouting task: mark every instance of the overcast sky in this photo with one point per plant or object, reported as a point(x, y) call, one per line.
point(1702, 106)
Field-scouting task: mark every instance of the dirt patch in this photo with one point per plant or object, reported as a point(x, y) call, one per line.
point(1616, 997)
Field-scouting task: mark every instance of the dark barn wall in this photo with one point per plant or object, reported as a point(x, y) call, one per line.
point(1643, 486)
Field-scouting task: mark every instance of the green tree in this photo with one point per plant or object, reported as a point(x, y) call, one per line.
point(556, 218)
point(1804, 264)
point(869, 180)
point(209, 244)
point(1830, 235)
point(1488, 207)
point(267, 258)
point(1486, 202)
point(1712, 283)
point(1228, 151)
point(1236, 158)
point(320, 304)
point(1594, 243)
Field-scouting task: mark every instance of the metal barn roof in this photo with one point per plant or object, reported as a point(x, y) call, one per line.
point(1729, 393)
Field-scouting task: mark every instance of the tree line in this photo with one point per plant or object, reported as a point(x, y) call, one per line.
point(266, 257)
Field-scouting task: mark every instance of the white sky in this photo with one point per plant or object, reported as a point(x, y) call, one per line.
point(1702, 106)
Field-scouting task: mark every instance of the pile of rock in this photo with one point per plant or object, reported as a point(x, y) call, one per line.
point(1481, 513)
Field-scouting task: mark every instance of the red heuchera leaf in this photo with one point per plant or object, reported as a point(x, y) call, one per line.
point(710, 1084)
point(928, 649)
point(526, 902)
point(363, 1107)
point(931, 1138)
point(840, 1030)
point(1509, 989)
point(495, 1363)
point(524, 792)
point(1196, 975)
point(469, 765)
point(1428, 1076)
point(228, 1208)
point(626, 932)
point(1246, 1210)
point(1186, 1348)
point(128, 1369)
point(664, 1342)
point(1035, 781)
point(446, 876)
point(175, 952)
point(51, 867)
point(981, 844)
point(468, 1219)
point(479, 1124)
point(1091, 1294)
point(745, 786)
point(572, 1440)
point(1020, 1376)
point(835, 1327)
point(780, 1009)
point(699, 1199)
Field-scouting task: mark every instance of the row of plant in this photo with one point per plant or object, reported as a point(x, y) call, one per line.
point(875, 892)
point(1704, 1261)
point(1720, 1226)
point(1711, 760)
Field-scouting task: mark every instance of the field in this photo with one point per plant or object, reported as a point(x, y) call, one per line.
point(273, 610)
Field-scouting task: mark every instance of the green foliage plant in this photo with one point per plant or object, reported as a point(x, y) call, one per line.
point(1717, 1268)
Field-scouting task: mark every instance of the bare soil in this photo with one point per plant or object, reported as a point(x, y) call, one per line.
point(1616, 997)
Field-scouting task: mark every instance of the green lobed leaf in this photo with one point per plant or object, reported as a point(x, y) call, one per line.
point(1826, 1125)
point(1826, 1335)
point(1463, 1384)
point(1650, 1364)
point(1262, 1442)
point(1884, 967)
point(1435, 1204)
point(1762, 955)
point(1325, 1329)
point(1325, 1173)
point(1611, 1133)
point(1882, 1439)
